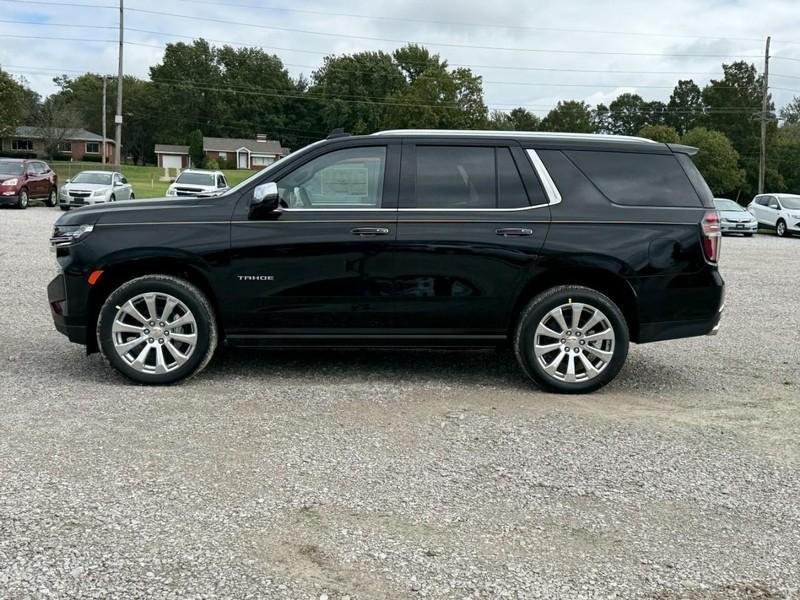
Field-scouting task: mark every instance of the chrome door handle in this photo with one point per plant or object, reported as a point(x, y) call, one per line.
point(514, 232)
point(370, 231)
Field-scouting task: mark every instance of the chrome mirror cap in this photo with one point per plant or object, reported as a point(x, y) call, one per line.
point(265, 193)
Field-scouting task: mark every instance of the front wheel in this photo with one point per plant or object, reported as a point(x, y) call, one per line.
point(22, 199)
point(780, 228)
point(52, 198)
point(113, 198)
point(157, 329)
point(571, 339)
point(132, 197)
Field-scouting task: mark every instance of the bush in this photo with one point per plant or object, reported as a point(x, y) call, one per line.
point(92, 158)
point(229, 164)
point(19, 154)
point(212, 165)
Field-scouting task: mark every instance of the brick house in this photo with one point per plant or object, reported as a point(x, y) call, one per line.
point(246, 154)
point(77, 144)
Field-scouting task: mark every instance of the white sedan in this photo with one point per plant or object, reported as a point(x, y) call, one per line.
point(93, 187)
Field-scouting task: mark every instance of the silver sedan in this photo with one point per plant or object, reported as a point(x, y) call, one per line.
point(93, 187)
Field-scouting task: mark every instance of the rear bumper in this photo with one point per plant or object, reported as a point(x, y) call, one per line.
point(59, 310)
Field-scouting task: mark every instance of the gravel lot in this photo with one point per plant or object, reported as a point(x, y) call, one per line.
point(403, 474)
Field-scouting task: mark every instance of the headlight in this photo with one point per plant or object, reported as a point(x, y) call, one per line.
point(10, 182)
point(171, 192)
point(99, 192)
point(796, 215)
point(66, 235)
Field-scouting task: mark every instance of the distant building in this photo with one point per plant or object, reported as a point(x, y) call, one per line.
point(247, 154)
point(77, 144)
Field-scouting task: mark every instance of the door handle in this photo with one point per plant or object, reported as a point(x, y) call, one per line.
point(514, 232)
point(365, 231)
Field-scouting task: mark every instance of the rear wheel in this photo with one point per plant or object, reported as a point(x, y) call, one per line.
point(780, 228)
point(571, 339)
point(22, 199)
point(52, 198)
point(157, 329)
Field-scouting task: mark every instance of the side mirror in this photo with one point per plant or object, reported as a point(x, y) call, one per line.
point(67, 181)
point(125, 180)
point(265, 196)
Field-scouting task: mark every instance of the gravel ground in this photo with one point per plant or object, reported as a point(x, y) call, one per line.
point(402, 474)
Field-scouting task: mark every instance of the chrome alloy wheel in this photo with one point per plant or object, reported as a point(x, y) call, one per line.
point(574, 342)
point(154, 333)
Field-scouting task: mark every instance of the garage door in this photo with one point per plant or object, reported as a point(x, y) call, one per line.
point(171, 161)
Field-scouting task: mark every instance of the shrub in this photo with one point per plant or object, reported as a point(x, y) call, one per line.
point(212, 165)
point(18, 154)
point(92, 158)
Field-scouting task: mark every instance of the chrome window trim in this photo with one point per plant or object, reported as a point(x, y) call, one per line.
point(550, 187)
point(541, 135)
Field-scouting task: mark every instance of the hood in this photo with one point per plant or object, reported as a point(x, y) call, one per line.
point(136, 211)
point(87, 187)
point(736, 215)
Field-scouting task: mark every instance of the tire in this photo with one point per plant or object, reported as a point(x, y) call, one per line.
point(748, 235)
point(22, 199)
point(613, 345)
point(52, 198)
point(132, 197)
point(113, 198)
point(120, 325)
point(64, 208)
point(780, 228)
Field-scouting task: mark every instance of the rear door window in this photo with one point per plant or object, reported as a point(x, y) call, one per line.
point(635, 179)
point(467, 177)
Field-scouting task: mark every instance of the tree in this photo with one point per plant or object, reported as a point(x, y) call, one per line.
point(627, 114)
point(791, 112)
point(54, 121)
point(601, 119)
point(716, 159)
point(686, 106)
point(571, 116)
point(16, 103)
point(660, 133)
point(519, 119)
point(784, 157)
point(196, 154)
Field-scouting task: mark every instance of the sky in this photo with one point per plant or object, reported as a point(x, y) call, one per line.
point(529, 53)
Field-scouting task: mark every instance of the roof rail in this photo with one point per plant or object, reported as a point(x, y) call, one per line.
point(516, 134)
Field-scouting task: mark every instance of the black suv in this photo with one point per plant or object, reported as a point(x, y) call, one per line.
point(565, 246)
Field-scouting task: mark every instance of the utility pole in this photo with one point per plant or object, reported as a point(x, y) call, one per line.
point(118, 116)
point(762, 166)
point(105, 86)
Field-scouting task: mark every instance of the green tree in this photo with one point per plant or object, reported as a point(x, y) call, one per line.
point(791, 112)
point(627, 114)
point(196, 154)
point(16, 103)
point(716, 159)
point(601, 119)
point(571, 116)
point(518, 119)
point(685, 106)
point(784, 157)
point(660, 133)
point(732, 104)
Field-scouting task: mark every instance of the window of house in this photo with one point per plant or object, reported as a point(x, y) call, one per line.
point(223, 156)
point(92, 147)
point(65, 147)
point(261, 161)
point(349, 178)
point(22, 145)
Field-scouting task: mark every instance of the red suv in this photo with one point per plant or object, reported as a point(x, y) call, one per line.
point(25, 179)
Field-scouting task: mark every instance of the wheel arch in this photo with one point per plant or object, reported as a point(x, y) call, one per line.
point(604, 281)
point(119, 273)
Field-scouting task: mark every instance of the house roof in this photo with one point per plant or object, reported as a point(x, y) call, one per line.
point(171, 149)
point(71, 134)
point(270, 147)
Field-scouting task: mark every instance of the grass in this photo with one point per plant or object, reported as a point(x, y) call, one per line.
point(143, 179)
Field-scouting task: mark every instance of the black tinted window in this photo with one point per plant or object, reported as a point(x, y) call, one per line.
point(637, 179)
point(468, 177)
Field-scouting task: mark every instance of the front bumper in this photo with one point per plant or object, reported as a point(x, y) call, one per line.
point(8, 199)
point(59, 310)
point(739, 227)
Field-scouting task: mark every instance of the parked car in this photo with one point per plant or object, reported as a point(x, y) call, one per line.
point(780, 212)
point(22, 180)
point(94, 187)
point(734, 218)
point(197, 182)
point(565, 247)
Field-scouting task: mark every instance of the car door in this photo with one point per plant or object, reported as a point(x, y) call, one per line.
point(128, 188)
point(473, 217)
point(34, 180)
point(771, 211)
point(321, 263)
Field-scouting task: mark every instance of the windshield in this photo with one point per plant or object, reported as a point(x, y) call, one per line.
point(724, 204)
point(10, 168)
point(196, 179)
point(93, 178)
point(791, 203)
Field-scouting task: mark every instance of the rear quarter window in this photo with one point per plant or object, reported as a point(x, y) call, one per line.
point(635, 179)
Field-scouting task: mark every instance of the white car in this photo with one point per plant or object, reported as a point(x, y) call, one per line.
point(734, 218)
point(196, 182)
point(780, 212)
point(94, 187)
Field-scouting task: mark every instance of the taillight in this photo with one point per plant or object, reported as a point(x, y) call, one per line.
point(712, 235)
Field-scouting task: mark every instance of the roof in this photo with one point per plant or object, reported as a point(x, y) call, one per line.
point(76, 134)
point(203, 171)
point(233, 144)
point(171, 149)
point(528, 135)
